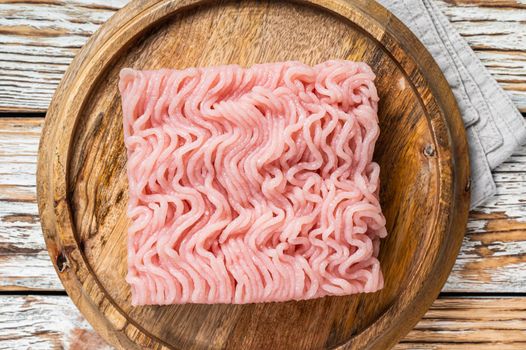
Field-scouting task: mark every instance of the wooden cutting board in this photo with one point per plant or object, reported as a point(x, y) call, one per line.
point(422, 151)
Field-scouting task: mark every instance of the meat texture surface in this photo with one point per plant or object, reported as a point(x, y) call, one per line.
point(252, 184)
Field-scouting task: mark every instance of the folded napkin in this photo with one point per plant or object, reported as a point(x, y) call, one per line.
point(495, 128)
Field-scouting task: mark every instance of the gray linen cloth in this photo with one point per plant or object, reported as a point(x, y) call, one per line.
point(495, 128)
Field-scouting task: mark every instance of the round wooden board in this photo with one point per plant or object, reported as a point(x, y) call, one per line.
point(422, 151)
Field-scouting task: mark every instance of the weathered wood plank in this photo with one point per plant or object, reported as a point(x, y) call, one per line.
point(492, 257)
point(489, 3)
point(39, 39)
point(24, 262)
point(470, 323)
point(53, 322)
point(496, 30)
point(45, 322)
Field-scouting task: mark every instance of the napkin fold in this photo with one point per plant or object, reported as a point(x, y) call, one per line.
point(494, 126)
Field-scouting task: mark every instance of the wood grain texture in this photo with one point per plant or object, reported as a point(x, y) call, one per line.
point(497, 33)
point(39, 39)
point(450, 324)
point(500, 4)
point(465, 323)
point(491, 259)
point(24, 262)
point(82, 182)
point(43, 323)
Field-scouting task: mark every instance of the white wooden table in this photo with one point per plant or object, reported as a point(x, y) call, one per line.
point(482, 306)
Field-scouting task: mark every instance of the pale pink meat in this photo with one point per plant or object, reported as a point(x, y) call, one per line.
point(252, 184)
